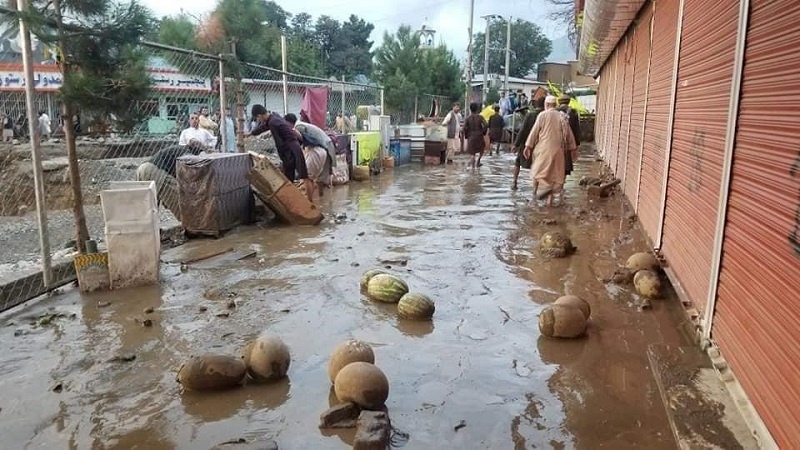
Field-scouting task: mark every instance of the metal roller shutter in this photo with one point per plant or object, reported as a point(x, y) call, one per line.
point(619, 80)
point(756, 314)
point(640, 66)
point(623, 104)
point(627, 105)
point(665, 22)
point(705, 75)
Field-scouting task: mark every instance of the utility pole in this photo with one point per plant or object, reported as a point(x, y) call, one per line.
point(486, 61)
point(508, 54)
point(469, 55)
point(36, 152)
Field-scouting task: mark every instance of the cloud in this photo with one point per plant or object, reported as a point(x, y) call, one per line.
point(448, 17)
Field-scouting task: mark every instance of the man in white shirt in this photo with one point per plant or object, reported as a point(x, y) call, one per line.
point(195, 133)
point(505, 105)
point(453, 122)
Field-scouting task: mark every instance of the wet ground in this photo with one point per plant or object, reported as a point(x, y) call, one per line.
point(460, 237)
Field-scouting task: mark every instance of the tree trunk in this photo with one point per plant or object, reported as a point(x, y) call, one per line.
point(81, 230)
point(67, 111)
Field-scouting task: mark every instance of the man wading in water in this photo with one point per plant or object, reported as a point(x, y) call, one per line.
point(522, 136)
point(475, 129)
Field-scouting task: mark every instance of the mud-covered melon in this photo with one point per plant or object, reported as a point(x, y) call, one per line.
point(555, 244)
point(211, 372)
point(574, 300)
point(415, 306)
point(386, 288)
point(647, 284)
point(366, 276)
point(562, 321)
point(641, 261)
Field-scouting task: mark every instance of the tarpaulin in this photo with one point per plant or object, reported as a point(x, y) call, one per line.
point(315, 106)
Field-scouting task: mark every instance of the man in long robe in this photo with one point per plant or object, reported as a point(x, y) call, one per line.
point(548, 142)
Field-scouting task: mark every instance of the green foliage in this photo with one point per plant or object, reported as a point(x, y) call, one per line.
point(322, 48)
point(492, 97)
point(529, 47)
point(105, 71)
point(407, 71)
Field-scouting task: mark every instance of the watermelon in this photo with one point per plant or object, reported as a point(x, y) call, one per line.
point(415, 307)
point(368, 276)
point(386, 288)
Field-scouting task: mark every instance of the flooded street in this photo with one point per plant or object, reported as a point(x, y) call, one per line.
point(464, 239)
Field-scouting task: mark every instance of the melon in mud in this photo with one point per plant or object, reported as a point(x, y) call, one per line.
point(415, 306)
point(211, 372)
point(562, 321)
point(574, 300)
point(386, 288)
point(647, 283)
point(556, 244)
point(267, 358)
point(641, 261)
point(363, 384)
point(368, 276)
point(349, 352)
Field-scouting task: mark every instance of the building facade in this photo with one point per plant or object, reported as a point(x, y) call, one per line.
point(697, 115)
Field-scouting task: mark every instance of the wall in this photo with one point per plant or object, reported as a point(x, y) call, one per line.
point(713, 176)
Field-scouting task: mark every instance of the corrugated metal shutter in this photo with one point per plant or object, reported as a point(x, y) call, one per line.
point(627, 100)
point(608, 115)
point(619, 82)
point(626, 69)
point(758, 300)
point(601, 122)
point(705, 75)
point(656, 126)
point(641, 57)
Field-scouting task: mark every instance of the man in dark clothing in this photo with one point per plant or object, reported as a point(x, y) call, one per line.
point(574, 126)
point(496, 125)
point(286, 141)
point(522, 136)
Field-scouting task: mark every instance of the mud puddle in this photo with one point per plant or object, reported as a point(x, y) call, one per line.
point(94, 376)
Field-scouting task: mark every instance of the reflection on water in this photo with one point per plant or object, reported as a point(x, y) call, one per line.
point(463, 238)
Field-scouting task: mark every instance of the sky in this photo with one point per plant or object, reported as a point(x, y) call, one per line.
point(448, 17)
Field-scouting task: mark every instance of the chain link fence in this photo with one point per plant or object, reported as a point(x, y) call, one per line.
point(184, 83)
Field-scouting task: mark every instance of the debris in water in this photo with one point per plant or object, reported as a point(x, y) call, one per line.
point(232, 304)
point(58, 388)
point(362, 233)
point(202, 309)
point(287, 310)
point(460, 425)
point(147, 323)
point(505, 313)
point(344, 415)
point(103, 304)
point(123, 358)
point(149, 310)
point(355, 264)
point(645, 304)
point(224, 314)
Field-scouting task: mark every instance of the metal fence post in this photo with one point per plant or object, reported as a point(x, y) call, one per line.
point(36, 155)
point(223, 105)
point(284, 67)
point(383, 111)
point(344, 114)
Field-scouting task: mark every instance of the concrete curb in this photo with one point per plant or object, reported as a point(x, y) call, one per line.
point(27, 287)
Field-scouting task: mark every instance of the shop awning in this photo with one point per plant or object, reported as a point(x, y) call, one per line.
point(604, 24)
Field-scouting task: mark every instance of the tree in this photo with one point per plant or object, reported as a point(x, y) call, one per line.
point(529, 47)
point(564, 12)
point(104, 71)
point(407, 71)
point(345, 47)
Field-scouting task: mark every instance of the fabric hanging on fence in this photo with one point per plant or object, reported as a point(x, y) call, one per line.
point(315, 106)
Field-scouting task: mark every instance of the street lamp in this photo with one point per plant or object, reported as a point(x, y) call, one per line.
point(488, 18)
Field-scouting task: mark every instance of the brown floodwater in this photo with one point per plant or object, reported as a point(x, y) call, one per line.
point(463, 238)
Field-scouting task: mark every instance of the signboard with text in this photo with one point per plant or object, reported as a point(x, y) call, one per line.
point(52, 80)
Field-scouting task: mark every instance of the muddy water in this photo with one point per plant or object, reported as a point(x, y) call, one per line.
point(463, 238)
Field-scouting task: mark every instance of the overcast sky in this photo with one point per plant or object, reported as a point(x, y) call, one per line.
point(448, 17)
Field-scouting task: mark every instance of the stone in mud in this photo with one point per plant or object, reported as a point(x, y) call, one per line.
point(344, 415)
point(555, 244)
point(268, 359)
point(562, 321)
point(642, 261)
point(243, 444)
point(622, 276)
point(349, 352)
point(647, 284)
point(211, 372)
point(574, 300)
point(373, 431)
point(363, 384)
